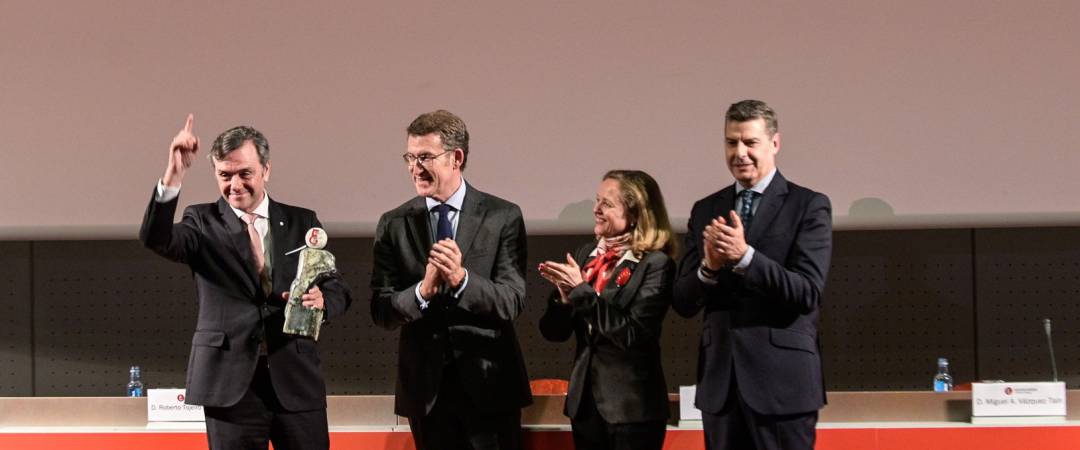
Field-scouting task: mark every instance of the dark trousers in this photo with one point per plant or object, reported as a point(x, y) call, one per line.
point(455, 423)
point(259, 418)
point(737, 427)
point(592, 432)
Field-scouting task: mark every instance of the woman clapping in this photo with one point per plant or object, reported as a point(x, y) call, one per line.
point(612, 294)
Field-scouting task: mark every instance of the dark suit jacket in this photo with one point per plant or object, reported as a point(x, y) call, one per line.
point(619, 360)
point(473, 334)
point(234, 315)
point(762, 326)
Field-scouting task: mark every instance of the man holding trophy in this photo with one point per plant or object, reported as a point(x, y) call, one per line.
point(256, 382)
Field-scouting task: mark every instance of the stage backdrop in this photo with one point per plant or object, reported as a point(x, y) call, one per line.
point(75, 314)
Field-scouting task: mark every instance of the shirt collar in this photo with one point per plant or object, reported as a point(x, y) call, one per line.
point(455, 200)
point(760, 186)
point(263, 210)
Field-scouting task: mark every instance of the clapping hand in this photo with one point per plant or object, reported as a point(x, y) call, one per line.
point(565, 277)
point(724, 242)
point(432, 281)
point(446, 256)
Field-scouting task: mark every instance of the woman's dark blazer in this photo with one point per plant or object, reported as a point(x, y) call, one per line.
point(618, 356)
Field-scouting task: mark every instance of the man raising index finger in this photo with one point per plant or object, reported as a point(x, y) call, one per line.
point(256, 383)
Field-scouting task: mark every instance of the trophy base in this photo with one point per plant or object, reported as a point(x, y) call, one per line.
point(301, 320)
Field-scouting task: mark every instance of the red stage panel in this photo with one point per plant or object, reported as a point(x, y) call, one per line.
point(951, 438)
point(982, 438)
point(850, 439)
point(102, 441)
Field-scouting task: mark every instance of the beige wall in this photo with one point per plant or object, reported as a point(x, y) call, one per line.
point(940, 112)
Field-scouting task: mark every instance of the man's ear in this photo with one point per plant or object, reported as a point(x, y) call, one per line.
point(459, 158)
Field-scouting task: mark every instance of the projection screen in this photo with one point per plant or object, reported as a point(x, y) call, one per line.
point(907, 114)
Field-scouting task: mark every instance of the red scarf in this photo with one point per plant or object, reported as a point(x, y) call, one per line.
point(608, 251)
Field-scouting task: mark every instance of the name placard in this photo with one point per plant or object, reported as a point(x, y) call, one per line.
point(1017, 399)
point(167, 405)
point(687, 410)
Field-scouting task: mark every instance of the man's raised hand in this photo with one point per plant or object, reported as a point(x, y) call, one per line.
point(181, 153)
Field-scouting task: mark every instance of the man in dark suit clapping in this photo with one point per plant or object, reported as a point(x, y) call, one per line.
point(450, 273)
point(757, 256)
point(255, 383)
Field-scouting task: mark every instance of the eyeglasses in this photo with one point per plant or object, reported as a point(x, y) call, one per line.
point(423, 160)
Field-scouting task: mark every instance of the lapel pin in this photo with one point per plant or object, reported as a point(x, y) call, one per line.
point(281, 224)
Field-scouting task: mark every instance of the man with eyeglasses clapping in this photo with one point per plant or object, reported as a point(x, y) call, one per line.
point(449, 272)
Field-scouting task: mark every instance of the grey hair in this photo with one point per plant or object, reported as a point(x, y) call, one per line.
point(747, 110)
point(234, 138)
point(450, 127)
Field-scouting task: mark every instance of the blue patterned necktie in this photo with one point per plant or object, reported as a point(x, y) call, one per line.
point(746, 209)
point(443, 230)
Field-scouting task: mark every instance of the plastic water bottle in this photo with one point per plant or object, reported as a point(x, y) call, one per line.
point(942, 381)
point(135, 386)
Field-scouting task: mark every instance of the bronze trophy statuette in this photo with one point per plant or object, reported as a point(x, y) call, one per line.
point(315, 264)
